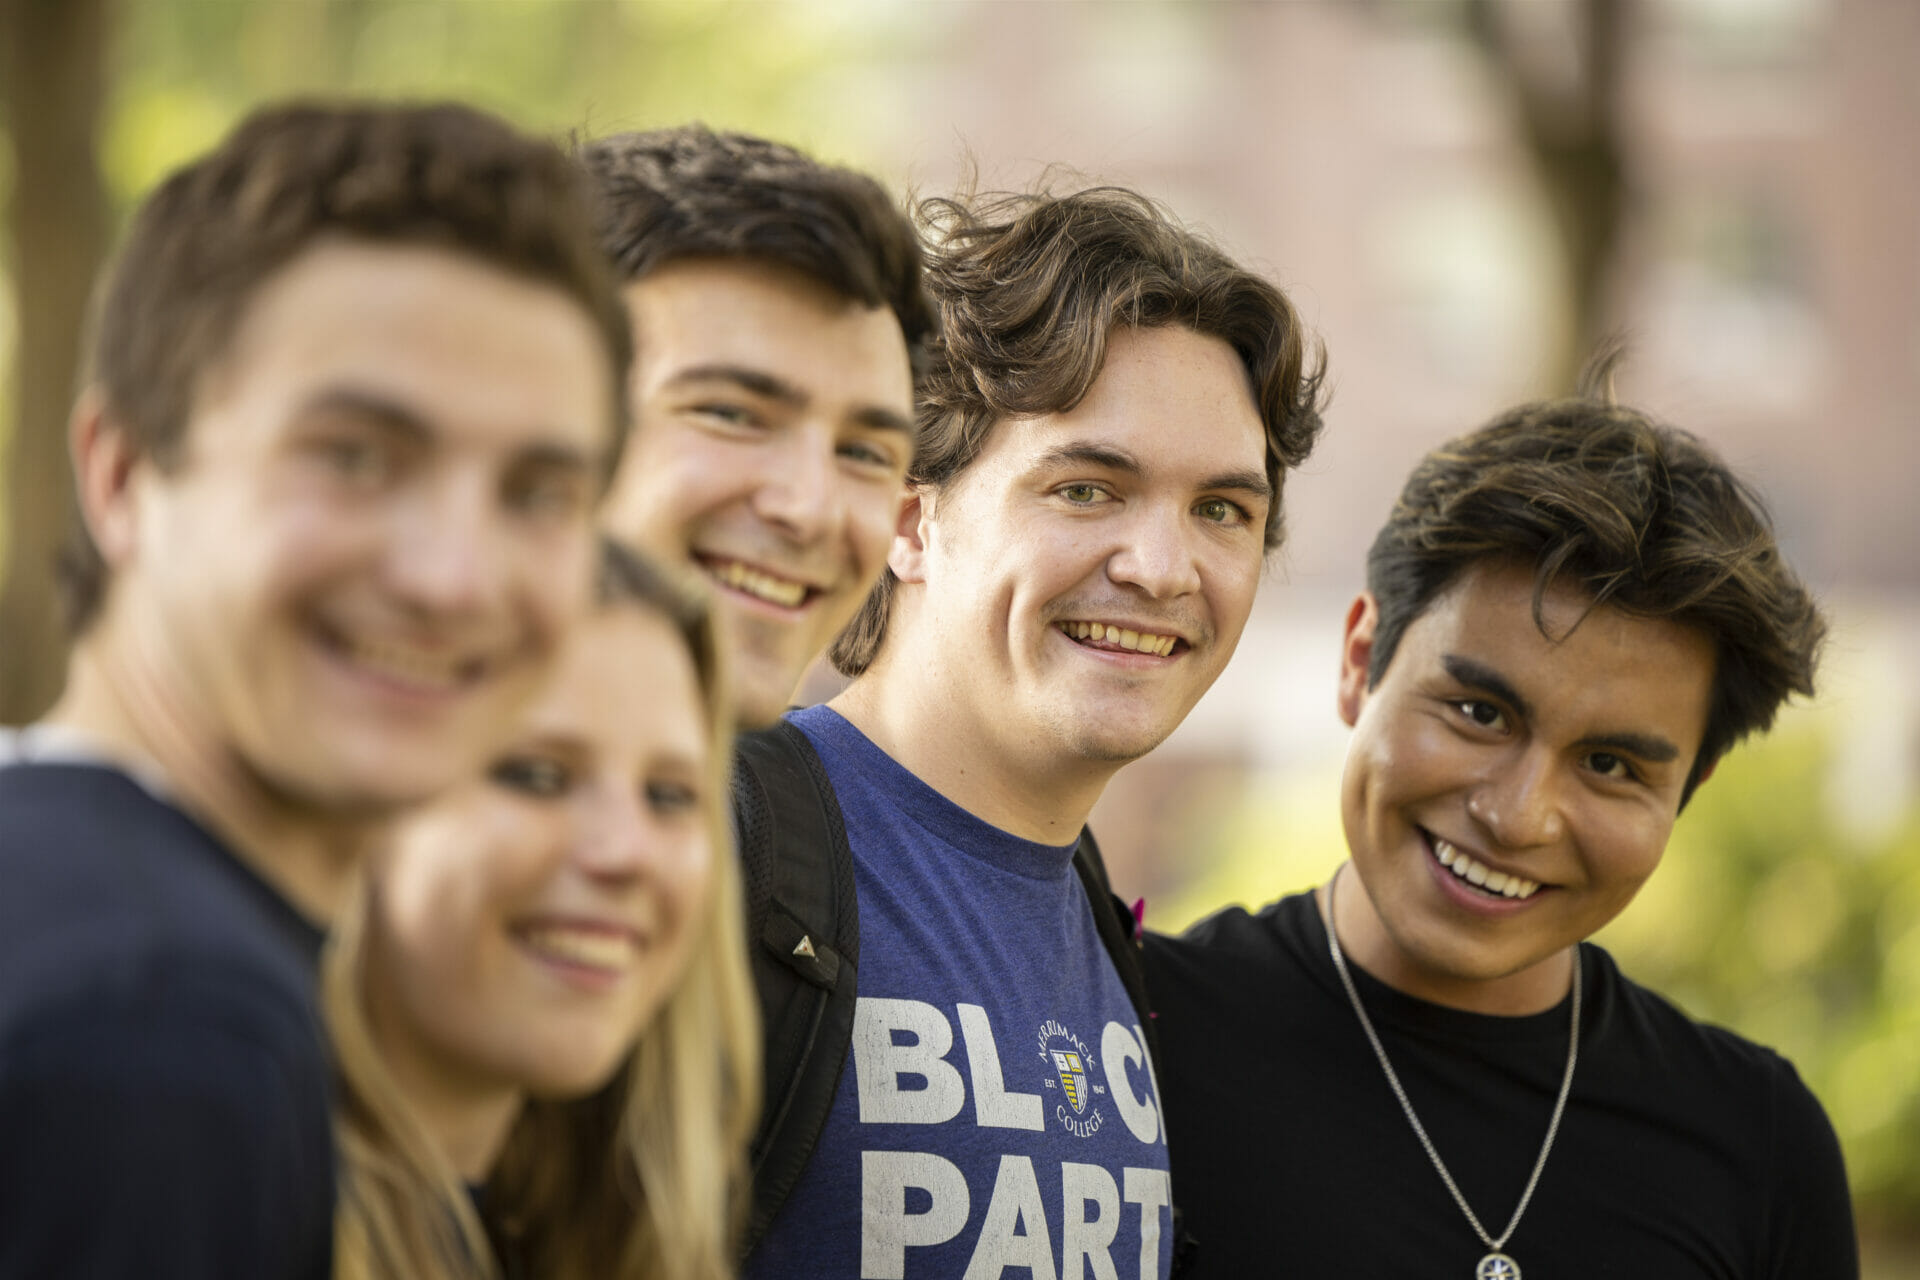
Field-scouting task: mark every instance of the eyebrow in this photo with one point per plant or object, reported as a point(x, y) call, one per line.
point(1477, 675)
point(772, 387)
point(381, 411)
point(1088, 453)
point(394, 418)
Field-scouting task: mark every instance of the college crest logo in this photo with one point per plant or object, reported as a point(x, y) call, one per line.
point(1070, 1065)
point(1073, 1077)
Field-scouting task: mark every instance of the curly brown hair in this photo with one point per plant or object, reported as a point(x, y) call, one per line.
point(208, 237)
point(1639, 515)
point(1030, 285)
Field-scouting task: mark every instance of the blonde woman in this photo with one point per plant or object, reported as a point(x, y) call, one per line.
point(541, 1009)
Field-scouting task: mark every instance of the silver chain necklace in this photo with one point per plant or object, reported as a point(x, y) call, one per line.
point(1496, 1265)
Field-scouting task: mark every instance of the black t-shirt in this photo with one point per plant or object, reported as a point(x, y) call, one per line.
point(1685, 1151)
point(163, 1079)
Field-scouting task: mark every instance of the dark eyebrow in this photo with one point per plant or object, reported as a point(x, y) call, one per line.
point(772, 387)
point(1475, 675)
point(756, 381)
point(380, 411)
point(1087, 453)
point(393, 418)
point(1248, 482)
point(559, 457)
point(1639, 745)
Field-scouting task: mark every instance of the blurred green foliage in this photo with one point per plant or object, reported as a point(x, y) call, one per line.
point(1775, 912)
point(183, 70)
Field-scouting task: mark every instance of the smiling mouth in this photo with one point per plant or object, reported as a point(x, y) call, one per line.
point(1104, 635)
point(589, 948)
point(757, 583)
point(411, 668)
point(1479, 875)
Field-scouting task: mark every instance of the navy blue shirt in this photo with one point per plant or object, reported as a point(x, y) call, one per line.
point(996, 1112)
point(163, 1079)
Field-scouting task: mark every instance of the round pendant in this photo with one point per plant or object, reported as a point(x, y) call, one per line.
point(1497, 1266)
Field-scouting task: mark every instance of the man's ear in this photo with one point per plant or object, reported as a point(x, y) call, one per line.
point(908, 554)
point(1356, 652)
point(104, 464)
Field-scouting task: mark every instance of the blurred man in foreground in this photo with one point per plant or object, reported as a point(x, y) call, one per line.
point(355, 388)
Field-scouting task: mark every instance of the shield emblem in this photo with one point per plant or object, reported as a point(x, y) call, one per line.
point(1073, 1077)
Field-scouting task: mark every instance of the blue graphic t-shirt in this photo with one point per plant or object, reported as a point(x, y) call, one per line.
point(997, 1114)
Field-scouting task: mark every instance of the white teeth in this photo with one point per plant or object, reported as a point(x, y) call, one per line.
point(589, 947)
point(763, 585)
point(407, 666)
point(1133, 641)
point(1481, 875)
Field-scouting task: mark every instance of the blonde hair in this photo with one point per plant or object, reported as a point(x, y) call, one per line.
point(645, 1177)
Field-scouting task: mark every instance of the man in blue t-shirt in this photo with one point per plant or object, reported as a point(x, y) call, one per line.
point(357, 377)
point(1103, 435)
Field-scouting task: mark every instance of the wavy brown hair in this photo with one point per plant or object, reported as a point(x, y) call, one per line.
point(1029, 287)
point(1637, 514)
point(646, 1176)
point(208, 237)
point(688, 192)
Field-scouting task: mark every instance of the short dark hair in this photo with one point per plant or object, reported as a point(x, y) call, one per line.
point(1030, 286)
point(689, 192)
point(206, 239)
point(1638, 515)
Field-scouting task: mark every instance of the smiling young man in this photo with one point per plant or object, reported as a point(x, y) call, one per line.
point(779, 316)
point(1106, 423)
point(1571, 616)
point(356, 384)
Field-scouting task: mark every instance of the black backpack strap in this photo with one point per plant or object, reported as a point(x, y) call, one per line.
point(1119, 931)
point(803, 930)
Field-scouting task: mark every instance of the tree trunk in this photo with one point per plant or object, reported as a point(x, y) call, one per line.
point(1573, 132)
point(52, 74)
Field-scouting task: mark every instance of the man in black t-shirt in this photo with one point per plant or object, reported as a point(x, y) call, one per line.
point(357, 379)
point(1423, 1067)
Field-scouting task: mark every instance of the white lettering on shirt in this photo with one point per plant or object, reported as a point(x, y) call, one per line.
point(993, 1106)
point(1087, 1238)
point(1015, 1232)
point(1120, 1049)
point(886, 1228)
point(1148, 1189)
point(879, 1063)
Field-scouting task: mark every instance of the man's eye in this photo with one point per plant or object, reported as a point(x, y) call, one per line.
point(536, 776)
point(1610, 765)
point(549, 494)
point(1083, 495)
point(724, 412)
point(867, 455)
point(363, 462)
point(1481, 712)
point(1220, 511)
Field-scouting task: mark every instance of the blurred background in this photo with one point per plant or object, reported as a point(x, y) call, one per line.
point(1460, 195)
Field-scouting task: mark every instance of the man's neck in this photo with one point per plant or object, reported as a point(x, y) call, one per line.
point(936, 737)
point(136, 722)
